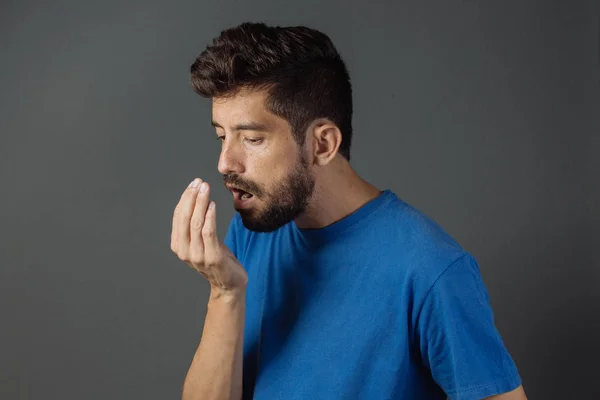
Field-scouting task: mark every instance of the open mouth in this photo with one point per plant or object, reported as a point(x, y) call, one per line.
point(242, 195)
point(241, 198)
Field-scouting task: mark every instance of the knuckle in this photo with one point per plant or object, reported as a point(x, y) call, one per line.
point(216, 257)
point(197, 259)
point(177, 211)
point(197, 224)
point(182, 254)
point(182, 216)
point(209, 264)
point(208, 231)
point(212, 262)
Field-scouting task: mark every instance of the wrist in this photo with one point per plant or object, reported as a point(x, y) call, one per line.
point(231, 296)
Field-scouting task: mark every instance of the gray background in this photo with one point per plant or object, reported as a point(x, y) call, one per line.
point(485, 115)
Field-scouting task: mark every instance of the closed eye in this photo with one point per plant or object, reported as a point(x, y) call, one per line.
point(254, 141)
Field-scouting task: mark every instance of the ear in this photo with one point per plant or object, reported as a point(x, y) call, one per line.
point(327, 139)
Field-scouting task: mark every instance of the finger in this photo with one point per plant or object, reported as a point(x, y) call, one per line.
point(182, 215)
point(197, 222)
point(209, 235)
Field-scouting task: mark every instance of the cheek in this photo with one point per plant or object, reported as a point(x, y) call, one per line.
point(272, 165)
point(271, 179)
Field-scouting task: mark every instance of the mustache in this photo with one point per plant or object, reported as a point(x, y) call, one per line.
point(246, 186)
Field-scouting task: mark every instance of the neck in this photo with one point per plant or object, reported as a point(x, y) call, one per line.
point(339, 191)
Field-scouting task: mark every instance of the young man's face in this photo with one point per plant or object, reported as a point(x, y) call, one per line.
point(264, 168)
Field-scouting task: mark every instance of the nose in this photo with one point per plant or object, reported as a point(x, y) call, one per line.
point(231, 159)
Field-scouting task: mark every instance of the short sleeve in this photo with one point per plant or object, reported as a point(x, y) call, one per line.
point(458, 340)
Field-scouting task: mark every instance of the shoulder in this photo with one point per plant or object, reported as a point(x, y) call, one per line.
point(422, 231)
point(415, 253)
point(418, 240)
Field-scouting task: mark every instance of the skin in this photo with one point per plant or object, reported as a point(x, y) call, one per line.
point(310, 184)
point(216, 369)
point(517, 394)
point(269, 164)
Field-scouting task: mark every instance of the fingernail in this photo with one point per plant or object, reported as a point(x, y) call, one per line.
point(211, 206)
point(194, 183)
point(203, 187)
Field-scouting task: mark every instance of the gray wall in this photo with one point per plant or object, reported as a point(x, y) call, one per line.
point(484, 115)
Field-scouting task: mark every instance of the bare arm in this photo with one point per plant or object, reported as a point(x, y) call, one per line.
point(216, 369)
point(517, 394)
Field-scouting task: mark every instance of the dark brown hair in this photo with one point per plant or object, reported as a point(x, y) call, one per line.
point(300, 67)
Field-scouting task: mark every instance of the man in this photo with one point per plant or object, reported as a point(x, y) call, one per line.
point(325, 286)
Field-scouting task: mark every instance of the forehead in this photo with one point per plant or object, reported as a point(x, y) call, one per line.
point(244, 107)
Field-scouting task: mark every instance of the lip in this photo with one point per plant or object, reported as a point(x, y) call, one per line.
point(238, 203)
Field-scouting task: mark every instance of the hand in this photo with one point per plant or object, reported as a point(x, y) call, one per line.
point(194, 240)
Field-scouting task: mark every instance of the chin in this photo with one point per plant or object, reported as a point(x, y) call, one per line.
point(258, 226)
point(258, 222)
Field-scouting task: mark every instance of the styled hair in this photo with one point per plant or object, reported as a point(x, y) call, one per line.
point(301, 69)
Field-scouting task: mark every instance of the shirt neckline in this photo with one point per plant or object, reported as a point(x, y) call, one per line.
point(318, 236)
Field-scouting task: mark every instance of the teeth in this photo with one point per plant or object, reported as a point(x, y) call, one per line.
point(246, 196)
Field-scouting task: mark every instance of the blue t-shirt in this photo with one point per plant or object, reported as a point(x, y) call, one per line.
point(382, 304)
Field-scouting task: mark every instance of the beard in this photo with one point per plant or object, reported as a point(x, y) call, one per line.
point(282, 204)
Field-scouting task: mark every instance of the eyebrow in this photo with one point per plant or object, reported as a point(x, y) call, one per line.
point(246, 126)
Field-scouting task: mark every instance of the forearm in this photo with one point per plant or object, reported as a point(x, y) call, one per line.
point(216, 369)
